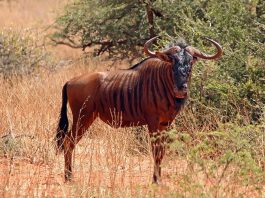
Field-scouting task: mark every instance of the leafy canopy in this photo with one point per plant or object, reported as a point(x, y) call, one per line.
point(231, 87)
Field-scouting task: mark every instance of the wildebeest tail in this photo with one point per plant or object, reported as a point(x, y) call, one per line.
point(63, 121)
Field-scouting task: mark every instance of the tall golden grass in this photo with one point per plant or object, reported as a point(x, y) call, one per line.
point(29, 112)
point(107, 162)
point(29, 13)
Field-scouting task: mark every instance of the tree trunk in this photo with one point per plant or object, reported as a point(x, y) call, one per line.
point(150, 18)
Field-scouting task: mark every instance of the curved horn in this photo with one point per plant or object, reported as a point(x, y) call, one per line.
point(147, 45)
point(171, 50)
point(197, 53)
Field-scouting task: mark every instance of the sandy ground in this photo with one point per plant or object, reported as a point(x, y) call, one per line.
point(104, 166)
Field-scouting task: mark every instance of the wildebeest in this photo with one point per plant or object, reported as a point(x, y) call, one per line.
point(150, 93)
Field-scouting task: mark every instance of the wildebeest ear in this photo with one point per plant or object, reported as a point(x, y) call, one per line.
point(163, 56)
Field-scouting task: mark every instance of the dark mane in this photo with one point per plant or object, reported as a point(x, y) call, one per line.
point(179, 42)
point(137, 64)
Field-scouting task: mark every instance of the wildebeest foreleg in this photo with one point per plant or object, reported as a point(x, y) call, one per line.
point(158, 149)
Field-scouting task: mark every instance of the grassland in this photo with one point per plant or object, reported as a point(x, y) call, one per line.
point(111, 162)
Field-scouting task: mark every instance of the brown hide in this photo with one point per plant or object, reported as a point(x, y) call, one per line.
point(150, 93)
point(142, 95)
point(126, 97)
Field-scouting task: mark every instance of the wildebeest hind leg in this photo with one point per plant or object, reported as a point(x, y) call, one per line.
point(68, 151)
point(80, 125)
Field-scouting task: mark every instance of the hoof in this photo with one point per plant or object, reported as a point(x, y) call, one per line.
point(156, 180)
point(158, 183)
point(68, 177)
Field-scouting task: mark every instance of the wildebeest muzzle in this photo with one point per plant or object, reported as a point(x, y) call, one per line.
point(181, 70)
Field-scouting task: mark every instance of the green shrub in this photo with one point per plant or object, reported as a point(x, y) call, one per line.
point(230, 156)
point(21, 53)
point(232, 88)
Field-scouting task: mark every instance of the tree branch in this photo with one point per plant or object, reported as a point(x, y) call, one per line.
point(157, 13)
point(150, 18)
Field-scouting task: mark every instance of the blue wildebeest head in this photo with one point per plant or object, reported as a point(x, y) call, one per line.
point(182, 57)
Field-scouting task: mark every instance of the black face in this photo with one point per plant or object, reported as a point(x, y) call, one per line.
point(182, 65)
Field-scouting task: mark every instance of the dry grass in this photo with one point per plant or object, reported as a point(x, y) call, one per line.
point(29, 113)
point(29, 13)
point(107, 161)
point(37, 15)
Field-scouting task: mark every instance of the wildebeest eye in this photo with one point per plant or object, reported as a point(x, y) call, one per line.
point(194, 59)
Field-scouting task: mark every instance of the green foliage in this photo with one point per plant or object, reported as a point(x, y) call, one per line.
point(227, 156)
point(20, 53)
point(113, 25)
point(230, 88)
point(9, 146)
